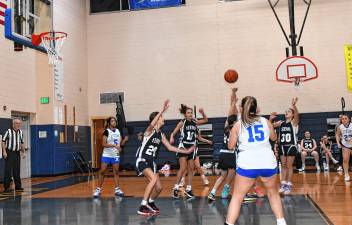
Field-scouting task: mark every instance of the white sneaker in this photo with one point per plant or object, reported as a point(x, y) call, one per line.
point(118, 192)
point(281, 222)
point(288, 189)
point(166, 167)
point(334, 161)
point(207, 165)
point(97, 193)
point(282, 188)
point(339, 168)
point(302, 168)
point(205, 180)
point(347, 177)
point(318, 167)
point(326, 168)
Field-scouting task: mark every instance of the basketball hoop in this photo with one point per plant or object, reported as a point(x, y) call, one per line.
point(53, 42)
point(296, 69)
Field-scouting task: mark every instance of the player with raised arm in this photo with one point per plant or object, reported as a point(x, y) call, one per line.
point(146, 156)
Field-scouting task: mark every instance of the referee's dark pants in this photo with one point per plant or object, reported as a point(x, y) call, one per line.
point(12, 169)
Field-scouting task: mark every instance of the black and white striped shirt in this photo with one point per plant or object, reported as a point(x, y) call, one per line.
point(13, 139)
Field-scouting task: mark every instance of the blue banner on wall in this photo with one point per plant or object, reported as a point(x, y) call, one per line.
point(147, 4)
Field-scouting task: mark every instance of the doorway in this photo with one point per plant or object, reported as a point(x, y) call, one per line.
point(98, 130)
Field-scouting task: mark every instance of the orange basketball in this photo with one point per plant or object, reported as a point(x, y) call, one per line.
point(231, 76)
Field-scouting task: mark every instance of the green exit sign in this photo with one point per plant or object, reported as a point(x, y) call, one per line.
point(44, 100)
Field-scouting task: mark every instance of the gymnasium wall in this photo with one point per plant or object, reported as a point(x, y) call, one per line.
point(181, 53)
point(50, 155)
point(70, 17)
point(26, 76)
point(17, 83)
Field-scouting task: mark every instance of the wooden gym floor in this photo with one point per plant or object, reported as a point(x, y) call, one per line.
point(317, 198)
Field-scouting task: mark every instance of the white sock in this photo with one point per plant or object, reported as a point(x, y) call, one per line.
point(283, 182)
point(176, 187)
point(144, 202)
point(281, 221)
point(151, 200)
point(188, 188)
point(289, 183)
point(230, 223)
point(98, 188)
point(213, 191)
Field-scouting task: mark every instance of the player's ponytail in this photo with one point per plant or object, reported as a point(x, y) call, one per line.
point(230, 122)
point(249, 110)
point(183, 109)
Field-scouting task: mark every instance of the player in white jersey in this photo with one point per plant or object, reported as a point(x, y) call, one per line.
point(344, 140)
point(111, 156)
point(255, 159)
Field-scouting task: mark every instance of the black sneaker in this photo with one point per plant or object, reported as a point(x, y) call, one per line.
point(189, 194)
point(154, 207)
point(174, 193)
point(144, 211)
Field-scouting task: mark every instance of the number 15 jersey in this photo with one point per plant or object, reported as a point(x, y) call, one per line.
point(254, 147)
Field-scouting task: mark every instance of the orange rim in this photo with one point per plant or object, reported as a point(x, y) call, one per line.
point(37, 38)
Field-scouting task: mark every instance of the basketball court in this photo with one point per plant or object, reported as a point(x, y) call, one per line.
point(68, 200)
point(68, 65)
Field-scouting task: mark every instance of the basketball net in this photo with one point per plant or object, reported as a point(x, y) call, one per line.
point(297, 81)
point(52, 42)
point(297, 84)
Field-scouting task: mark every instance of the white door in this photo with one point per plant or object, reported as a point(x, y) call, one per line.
point(26, 129)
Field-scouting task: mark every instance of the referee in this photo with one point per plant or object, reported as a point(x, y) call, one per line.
point(12, 145)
